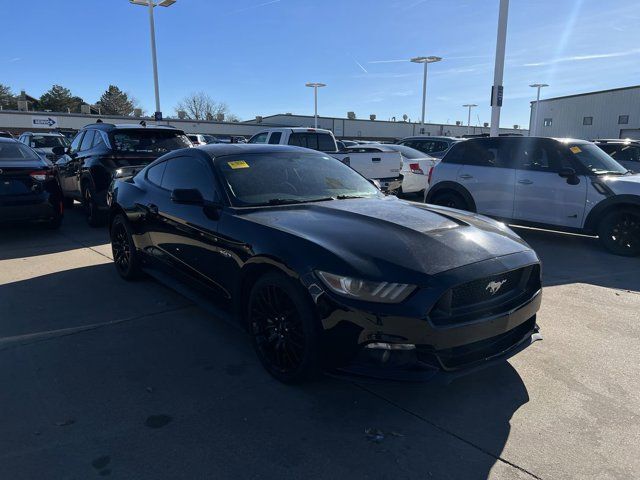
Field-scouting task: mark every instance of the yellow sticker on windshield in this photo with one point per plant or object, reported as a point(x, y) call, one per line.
point(575, 149)
point(238, 164)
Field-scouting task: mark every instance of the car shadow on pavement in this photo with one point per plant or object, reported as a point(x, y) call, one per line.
point(570, 258)
point(28, 240)
point(161, 389)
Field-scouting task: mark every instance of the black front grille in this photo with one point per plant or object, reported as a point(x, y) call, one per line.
point(485, 288)
point(467, 355)
point(486, 296)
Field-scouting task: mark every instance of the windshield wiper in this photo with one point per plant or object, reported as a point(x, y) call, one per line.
point(345, 197)
point(289, 201)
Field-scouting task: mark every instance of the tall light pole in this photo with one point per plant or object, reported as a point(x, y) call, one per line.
point(497, 89)
point(426, 61)
point(315, 86)
point(469, 106)
point(152, 27)
point(534, 131)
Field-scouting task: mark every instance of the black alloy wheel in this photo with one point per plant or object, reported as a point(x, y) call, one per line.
point(125, 257)
point(283, 329)
point(619, 232)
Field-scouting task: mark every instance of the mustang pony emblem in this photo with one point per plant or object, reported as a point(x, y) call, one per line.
point(493, 287)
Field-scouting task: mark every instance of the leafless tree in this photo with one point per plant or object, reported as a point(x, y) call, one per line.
point(200, 106)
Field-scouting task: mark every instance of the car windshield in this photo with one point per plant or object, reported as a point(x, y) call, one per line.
point(14, 151)
point(596, 160)
point(407, 152)
point(149, 141)
point(289, 177)
point(48, 141)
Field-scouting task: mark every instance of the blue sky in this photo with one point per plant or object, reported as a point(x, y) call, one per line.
point(256, 55)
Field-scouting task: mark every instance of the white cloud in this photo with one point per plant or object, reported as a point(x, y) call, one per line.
point(580, 58)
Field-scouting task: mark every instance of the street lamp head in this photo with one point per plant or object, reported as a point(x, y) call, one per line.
point(469, 105)
point(430, 59)
point(145, 3)
point(539, 85)
point(315, 84)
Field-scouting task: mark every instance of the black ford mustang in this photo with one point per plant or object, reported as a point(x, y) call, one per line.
point(323, 270)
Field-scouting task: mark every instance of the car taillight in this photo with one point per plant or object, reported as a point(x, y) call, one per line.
point(41, 175)
point(415, 168)
point(430, 175)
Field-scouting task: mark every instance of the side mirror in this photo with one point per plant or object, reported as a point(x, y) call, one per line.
point(571, 176)
point(187, 196)
point(375, 183)
point(58, 150)
point(567, 173)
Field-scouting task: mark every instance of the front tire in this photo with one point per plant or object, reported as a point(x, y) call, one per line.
point(125, 256)
point(619, 232)
point(283, 327)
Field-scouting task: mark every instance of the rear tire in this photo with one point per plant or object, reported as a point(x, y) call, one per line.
point(284, 329)
point(619, 232)
point(451, 200)
point(92, 212)
point(125, 256)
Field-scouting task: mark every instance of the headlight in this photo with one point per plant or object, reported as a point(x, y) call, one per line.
point(382, 292)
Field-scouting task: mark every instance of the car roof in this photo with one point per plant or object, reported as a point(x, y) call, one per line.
point(44, 134)
point(432, 137)
point(129, 126)
point(616, 140)
point(222, 149)
point(8, 140)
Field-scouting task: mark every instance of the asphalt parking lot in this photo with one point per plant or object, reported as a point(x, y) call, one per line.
point(101, 377)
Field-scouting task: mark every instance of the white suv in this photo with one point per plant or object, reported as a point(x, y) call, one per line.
point(562, 184)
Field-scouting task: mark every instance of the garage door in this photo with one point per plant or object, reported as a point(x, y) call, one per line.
point(630, 133)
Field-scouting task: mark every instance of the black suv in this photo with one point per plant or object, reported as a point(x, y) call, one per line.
point(624, 151)
point(101, 151)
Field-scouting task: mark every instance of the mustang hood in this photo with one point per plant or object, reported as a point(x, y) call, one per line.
point(380, 235)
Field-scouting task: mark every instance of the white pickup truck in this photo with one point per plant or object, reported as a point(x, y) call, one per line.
point(383, 167)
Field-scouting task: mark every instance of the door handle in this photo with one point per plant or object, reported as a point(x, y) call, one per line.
point(525, 182)
point(466, 176)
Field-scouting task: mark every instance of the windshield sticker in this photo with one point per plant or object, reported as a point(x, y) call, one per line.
point(238, 164)
point(575, 149)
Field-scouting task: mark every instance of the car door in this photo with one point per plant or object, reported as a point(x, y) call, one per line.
point(78, 165)
point(186, 234)
point(67, 167)
point(488, 174)
point(542, 195)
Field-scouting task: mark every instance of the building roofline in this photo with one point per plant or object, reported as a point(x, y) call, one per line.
point(376, 121)
point(586, 94)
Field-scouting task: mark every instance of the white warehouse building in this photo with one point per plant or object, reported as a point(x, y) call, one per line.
point(604, 114)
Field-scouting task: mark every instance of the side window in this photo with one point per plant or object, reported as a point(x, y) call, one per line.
point(189, 172)
point(259, 138)
point(154, 174)
point(538, 155)
point(75, 144)
point(326, 143)
point(486, 153)
point(440, 146)
point(97, 140)
point(275, 137)
point(87, 140)
point(456, 154)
